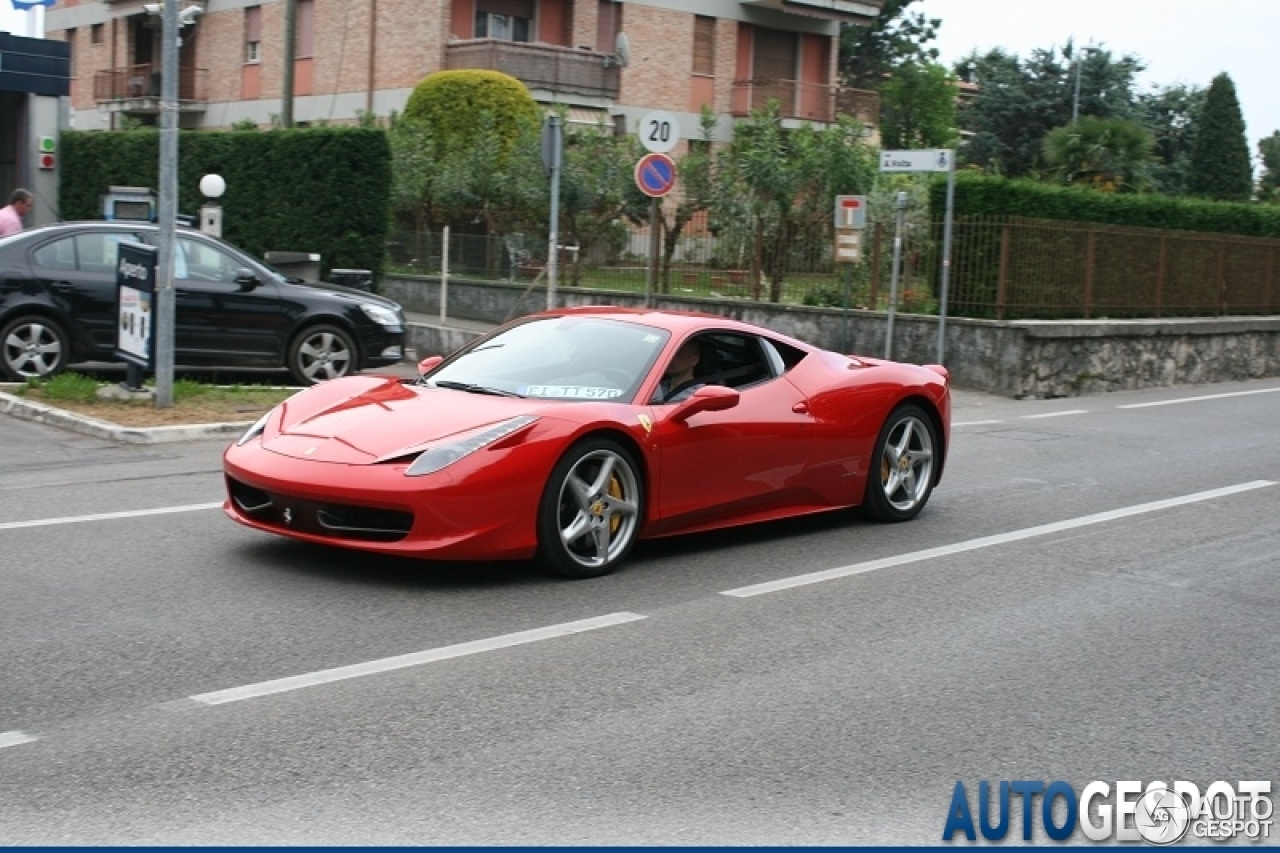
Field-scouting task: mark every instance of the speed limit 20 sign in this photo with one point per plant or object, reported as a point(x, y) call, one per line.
point(659, 131)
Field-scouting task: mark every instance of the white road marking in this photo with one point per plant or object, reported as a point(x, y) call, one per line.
point(1221, 396)
point(974, 423)
point(105, 516)
point(990, 541)
point(1056, 414)
point(15, 738)
point(373, 667)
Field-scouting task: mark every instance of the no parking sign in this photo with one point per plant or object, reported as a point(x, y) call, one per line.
point(655, 174)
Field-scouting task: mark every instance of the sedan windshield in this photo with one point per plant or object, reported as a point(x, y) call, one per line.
point(571, 358)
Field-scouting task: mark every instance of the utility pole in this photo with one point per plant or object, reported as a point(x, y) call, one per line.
point(290, 37)
point(167, 208)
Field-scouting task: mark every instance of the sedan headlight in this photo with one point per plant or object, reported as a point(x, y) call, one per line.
point(256, 430)
point(381, 315)
point(460, 446)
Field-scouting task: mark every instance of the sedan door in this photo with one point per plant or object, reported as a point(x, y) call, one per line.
point(220, 320)
point(79, 273)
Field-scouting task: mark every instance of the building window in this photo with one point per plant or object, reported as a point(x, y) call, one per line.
point(704, 46)
point(95, 34)
point(504, 19)
point(253, 34)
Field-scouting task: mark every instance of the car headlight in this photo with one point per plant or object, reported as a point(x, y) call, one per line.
point(381, 315)
point(256, 430)
point(460, 446)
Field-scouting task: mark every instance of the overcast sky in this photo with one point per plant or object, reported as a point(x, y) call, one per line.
point(1179, 41)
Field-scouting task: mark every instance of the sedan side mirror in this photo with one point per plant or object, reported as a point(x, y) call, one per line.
point(708, 398)
point(246, 279)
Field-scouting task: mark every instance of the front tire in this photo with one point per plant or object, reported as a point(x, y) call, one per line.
point(590, 512)
point(902, 468)
point(33, 347)
point(320, 353)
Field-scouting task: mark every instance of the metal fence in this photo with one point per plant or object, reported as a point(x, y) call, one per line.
point(1001, 268)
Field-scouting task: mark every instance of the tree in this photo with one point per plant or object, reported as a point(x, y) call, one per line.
point(1109, 154)
point(1220, 167)
point(1269, 153)
point(774, 189)
point(461, 151)
point(597, 191)
point(1017, 103)
point(869, 54)
point(918, 108)
point(452, 103)
point(1170, 114)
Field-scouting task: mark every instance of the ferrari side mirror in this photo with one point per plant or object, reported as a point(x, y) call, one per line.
point(708, 398)
point(428, 364)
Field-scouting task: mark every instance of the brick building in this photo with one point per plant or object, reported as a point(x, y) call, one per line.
point(610, 60)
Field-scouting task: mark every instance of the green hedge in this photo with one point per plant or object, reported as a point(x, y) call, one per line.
point(324, 190)
point(980, 195)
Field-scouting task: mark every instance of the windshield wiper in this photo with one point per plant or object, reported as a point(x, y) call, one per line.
point(474, 389)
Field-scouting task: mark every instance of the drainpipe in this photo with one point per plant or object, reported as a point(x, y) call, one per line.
point(290, 35)
point(373, 53)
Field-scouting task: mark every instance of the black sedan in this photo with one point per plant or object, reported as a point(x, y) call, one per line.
point(58, 307)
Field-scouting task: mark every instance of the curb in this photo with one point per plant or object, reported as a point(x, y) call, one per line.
point(40, 413)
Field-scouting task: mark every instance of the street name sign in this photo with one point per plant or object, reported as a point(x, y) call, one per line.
point(922, 160)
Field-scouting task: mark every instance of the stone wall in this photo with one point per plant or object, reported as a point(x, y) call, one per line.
point(1025, 358)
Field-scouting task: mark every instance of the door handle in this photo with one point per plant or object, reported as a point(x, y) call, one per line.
point(801, 408)
point(63, 286)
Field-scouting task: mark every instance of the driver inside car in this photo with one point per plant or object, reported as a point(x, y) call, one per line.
point(680, 379)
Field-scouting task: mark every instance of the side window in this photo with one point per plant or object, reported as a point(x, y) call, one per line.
point(737, 361)
point(98, 251)
point(781, 357)
point(198, 261)
point(58, 255)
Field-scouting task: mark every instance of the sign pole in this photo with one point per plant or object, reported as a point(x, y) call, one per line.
point(893, 279)
point(655, 248)
point(553, 142)
point(946, 261)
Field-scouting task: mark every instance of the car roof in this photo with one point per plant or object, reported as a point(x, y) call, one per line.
point(679, 322)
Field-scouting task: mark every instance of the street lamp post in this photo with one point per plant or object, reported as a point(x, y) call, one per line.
point(1075, 101)
point(212, 187)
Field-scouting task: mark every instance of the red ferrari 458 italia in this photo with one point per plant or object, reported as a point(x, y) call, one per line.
point(570, 435)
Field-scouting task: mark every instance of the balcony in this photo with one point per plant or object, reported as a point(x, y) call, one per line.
point(562, 70)
point(797, 99)
point(135, 89)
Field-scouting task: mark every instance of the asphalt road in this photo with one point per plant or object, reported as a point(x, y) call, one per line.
point(1091, 595)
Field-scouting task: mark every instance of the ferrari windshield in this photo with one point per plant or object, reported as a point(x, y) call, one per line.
point(572, 358)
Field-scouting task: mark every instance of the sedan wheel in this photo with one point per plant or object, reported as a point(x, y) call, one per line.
point(32, 348)
point(902, 469)
point(321, 353)
point(590, 511)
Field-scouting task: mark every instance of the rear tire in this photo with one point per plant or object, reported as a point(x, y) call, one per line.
point(590, 512)
point(902, 467)
point(33, 347)
point(320, 353)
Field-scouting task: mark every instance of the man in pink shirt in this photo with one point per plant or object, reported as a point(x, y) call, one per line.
point(20, 201)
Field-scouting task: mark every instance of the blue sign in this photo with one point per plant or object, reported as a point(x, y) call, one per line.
point(31, 4)
point(655, 174)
